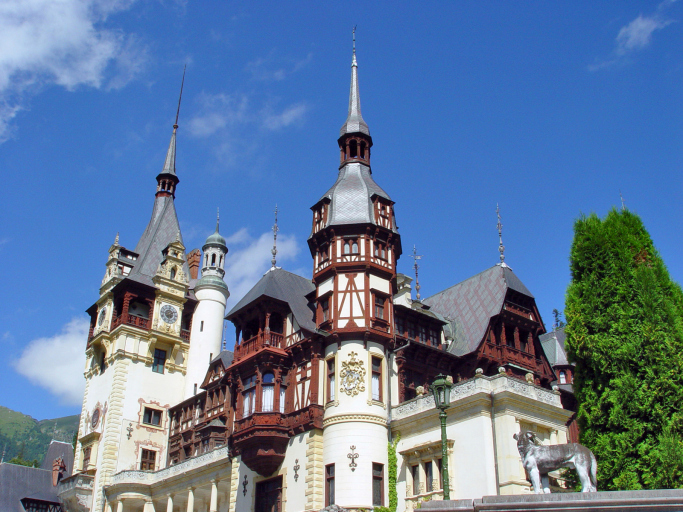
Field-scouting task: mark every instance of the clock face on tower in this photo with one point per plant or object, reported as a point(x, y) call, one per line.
point(103, 313)
point(169, 314)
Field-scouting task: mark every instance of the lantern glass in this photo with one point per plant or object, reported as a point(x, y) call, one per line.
point(441, 392)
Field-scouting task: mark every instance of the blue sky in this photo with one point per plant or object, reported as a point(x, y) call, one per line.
point(548, 109)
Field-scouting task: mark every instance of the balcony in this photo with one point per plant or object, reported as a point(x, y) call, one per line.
point(258, 342)
point(509, 354)
point(185, 335)
point(75, 492)
point(128, 319)
point(261, 439)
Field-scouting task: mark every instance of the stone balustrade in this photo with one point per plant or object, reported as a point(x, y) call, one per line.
point(497, 384)
point(152, 477)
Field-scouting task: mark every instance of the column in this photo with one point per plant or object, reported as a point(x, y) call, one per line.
point(213, 506)
point(119, 506)
point(107, 507)
point(149, 506)
point(169, 503)
point(436, 474)
point(516, 335)
point(190, 499)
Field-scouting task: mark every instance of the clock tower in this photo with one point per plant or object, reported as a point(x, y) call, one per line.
point(355, 246)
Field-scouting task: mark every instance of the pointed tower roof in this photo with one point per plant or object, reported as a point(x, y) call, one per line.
point(354, 121)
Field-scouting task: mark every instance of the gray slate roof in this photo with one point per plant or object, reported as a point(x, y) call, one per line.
point(225, 356)
point(553, 346)
point(18, 482)
point(354, 122)
point(469, 305)
point(351, 196)
point(284, 286)
point(163, 228)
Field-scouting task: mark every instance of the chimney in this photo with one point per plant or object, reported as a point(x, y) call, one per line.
point(194, 258)
point(58, 470)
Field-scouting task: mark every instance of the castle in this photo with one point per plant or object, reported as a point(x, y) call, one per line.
point(326, 393)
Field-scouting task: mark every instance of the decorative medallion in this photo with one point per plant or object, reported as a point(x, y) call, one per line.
point(352, 376)
point(169, 314)
point(103, 314)
point(296, 470)
point(95, 420)
point(353, 456)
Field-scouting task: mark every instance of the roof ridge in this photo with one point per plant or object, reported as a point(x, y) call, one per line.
point(462, 282)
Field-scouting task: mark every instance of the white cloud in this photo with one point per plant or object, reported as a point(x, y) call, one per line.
point(635, 36)
point(61, 42)
point(638, 33)
point(249, 258)
point(56, 363)
point(287, 117)
point(217, 112)
point(267, 69)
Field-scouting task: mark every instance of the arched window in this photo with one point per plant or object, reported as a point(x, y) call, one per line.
point(354, 247)
point(213, 260)
point(249, 396)
point(276, 323)
point(173, 273)
point(220, 261)
point(347, 247)
point(267, 398)
point(563, 378)
point(362, 150)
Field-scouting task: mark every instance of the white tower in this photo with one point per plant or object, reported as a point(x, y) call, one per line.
point(207, 321)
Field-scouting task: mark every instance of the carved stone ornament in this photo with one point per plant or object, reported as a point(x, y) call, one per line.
point(129, 429)
point(296, 470)
point(244, 486)
point(352, 376)
point(353, 456)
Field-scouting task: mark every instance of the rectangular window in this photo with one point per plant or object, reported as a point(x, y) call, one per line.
point(159, 360)
point(400, 325)
point(325, 306)
point(152, 417)
point(249, 396)
point(330, 380)
point(377, 379)
point(438, 465)
point(416, 479)
point(423, 334)
point(379, 307)
point(329, 485)
point(411, 330)
point(377, 484)
point(147, 460)
point(86, 458)
point(429, 475)
point(434, 339)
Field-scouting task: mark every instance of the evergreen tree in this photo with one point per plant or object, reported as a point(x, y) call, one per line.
point(625, 334)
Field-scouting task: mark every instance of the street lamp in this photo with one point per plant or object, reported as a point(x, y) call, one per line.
point(442, 398)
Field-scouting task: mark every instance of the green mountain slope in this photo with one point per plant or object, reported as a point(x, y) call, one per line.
point(22, 435)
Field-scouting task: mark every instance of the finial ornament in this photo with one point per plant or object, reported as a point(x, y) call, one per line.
point(416, 258)
point(116, 240)
point(218, 218)
point(175, 125)
point(274, 250)
point(501, 247)
point(354, 46)
point(623, 205)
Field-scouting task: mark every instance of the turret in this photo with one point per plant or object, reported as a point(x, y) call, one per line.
point(207, 322)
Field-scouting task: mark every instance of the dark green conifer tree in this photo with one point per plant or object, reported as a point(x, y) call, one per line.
point(625, 334)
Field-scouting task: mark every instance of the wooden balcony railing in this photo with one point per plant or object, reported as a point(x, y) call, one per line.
point(256, 343)
point(128, 319)
point(185, 334)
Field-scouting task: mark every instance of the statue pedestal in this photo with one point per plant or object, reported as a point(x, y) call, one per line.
point(664, 500)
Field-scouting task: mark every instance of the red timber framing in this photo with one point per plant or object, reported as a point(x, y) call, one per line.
point(274, 380)
point(201, 423)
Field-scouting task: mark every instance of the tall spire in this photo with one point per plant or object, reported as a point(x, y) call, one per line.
point(169, 164)
point(501, 247)
point(167, 178)
point(218, 218)
point(416, 258)
point(354, 121)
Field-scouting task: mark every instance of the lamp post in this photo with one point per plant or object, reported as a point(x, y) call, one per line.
point(442, 399)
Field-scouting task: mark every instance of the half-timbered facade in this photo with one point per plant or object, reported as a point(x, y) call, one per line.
point(324, 371)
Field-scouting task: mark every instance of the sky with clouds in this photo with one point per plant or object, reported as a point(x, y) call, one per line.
point(549, 110)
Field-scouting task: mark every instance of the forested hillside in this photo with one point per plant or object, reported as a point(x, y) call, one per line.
point(21, 435)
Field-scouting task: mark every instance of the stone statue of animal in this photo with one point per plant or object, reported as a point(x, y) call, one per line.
point(539, 460)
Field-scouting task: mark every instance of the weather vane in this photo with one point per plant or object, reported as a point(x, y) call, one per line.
point(274, 250)
point(501, 247)
point(218, 218)
point(416, 258)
